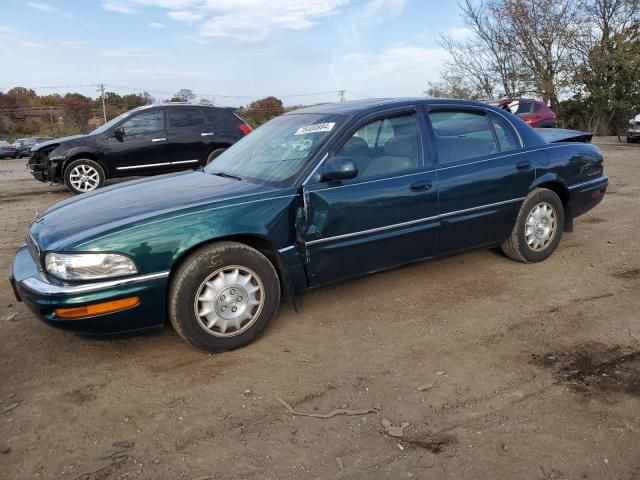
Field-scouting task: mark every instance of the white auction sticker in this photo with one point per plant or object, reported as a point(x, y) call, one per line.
point(318, 127)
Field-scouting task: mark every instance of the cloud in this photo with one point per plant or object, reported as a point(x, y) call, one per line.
point(184, 16)
point(382, 9)
point(44, 7)
point(400, 66)
point(242, 20)
point(253, 20)
point(459, 33)
point(157, 25)
point(118, 7)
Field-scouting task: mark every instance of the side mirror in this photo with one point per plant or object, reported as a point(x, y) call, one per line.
point(119, 133)
point(338, 168)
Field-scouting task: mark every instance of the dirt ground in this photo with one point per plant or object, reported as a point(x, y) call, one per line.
point(535, 371)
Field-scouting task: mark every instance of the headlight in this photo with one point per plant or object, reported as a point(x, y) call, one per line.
point(88, 266)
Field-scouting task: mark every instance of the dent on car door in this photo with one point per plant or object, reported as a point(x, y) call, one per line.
point(483, 176)
point(385, 216)
point(142, 147)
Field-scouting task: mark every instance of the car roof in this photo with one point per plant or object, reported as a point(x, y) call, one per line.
point(353, 107)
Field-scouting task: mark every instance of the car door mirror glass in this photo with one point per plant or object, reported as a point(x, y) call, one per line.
point(338, 168)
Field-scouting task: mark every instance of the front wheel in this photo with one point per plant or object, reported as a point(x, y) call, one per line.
point(83, 175)
point(538, 228)
point(223, 296)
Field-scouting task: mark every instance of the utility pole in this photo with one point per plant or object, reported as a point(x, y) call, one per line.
point(341, 95)
point(104, 108)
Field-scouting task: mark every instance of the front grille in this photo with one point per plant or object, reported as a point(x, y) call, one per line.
point(38, 161)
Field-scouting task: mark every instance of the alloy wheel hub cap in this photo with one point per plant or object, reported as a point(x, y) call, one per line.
point(540, 227)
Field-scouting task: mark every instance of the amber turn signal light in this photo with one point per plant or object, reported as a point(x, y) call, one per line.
point(97, 308)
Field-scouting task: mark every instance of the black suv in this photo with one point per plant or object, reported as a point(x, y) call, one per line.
point(144, 141)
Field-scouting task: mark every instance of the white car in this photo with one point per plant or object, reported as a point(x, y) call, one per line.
point(633, 134)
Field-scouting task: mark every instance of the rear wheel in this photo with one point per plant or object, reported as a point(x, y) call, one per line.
point(212, 156)
point(538, 228)
point(223, 296)
point(83, 175)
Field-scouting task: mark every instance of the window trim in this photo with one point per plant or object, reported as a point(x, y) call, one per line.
point(361, 122)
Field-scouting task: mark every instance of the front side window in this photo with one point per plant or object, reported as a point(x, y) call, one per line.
point(384, 147)
point(185, 117)
point(146, 122)
point(278, 151)
point(461, 135)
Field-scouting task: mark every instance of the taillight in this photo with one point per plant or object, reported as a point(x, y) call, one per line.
point(246, 129)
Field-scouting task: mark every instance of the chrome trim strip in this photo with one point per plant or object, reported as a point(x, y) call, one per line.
point(489, 205)
point(147, 165)
point(604, 178)
point(371, 230)
point(41, 287)
point(286, 249)
point(413, 222)
point(185, 161)
point(158, 139)
point(206, 134)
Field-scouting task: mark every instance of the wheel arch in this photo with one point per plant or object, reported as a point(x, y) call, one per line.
point(557, 186)
point(89, 156)
point(260, 243)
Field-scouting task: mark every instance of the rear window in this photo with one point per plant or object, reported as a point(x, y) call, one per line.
point(221, 118)
point(185, 117)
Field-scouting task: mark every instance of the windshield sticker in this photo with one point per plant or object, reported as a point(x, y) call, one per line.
point(318, 127)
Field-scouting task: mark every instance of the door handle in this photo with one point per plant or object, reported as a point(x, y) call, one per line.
point(524, 165)
point(158, 139)
point(420, 186)
point(206, 134)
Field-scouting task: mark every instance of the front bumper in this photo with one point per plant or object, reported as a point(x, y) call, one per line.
point(633, 134)
point(44, 295)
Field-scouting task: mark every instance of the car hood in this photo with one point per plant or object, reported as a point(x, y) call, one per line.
point(57, 141)
point(92, 215)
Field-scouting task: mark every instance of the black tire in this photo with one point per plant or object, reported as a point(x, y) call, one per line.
point(97, 176)
point(517, 246)
point(199, 270)
point(212, 156)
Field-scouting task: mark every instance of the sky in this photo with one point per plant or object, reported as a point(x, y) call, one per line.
point(229, 51)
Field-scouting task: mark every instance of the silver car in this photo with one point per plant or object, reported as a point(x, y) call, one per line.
point(633, 134)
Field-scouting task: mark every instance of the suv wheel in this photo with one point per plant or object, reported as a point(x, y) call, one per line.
point(83, 175)
point(214, 154)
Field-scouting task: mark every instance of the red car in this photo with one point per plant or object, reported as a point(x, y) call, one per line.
point(533, 112)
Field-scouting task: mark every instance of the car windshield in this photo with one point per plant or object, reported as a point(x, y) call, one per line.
point(112, 122)
point(278, 151)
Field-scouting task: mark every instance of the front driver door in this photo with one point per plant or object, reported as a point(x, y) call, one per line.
point(143, 147)
point(385, 216)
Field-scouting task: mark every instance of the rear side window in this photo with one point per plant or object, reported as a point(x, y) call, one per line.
point(146, 122)
point(221, 119)
point(462, 135)
point(504, 132)
point(185, 117)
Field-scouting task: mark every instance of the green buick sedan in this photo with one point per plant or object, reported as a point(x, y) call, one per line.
point(314, 196)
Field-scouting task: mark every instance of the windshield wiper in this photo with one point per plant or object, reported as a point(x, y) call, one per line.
point(226, 175)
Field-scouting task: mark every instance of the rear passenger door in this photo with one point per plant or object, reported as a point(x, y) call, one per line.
point(188, 137)
point(385, 216)
point(483, 176)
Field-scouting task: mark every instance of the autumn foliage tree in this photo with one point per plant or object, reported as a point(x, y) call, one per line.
point(263, 110)
point(76, 110)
